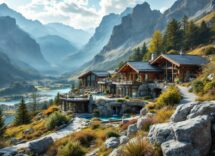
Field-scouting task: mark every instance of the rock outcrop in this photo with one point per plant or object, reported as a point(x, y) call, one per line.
point(40, 146)
point(112, 142)
point(190, 131)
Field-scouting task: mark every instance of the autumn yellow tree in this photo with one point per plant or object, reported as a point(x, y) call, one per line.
point(155, 45)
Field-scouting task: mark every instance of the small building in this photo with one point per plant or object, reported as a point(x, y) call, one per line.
point(134, 74)
point(182, 67)
point(90, 79)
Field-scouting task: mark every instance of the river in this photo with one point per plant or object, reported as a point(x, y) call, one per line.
point(43, 96)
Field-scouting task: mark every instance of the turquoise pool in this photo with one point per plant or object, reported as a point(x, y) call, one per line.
point(89, 116)
point(113, 118)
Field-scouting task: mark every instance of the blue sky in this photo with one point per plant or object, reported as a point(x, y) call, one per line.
point(83, 14)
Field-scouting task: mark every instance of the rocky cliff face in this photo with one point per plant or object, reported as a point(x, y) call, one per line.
point(98, 40)
point(18, 45)
point(134, 27)
point(189, 8)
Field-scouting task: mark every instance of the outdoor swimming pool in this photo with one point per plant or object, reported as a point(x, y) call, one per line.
point(113, 118)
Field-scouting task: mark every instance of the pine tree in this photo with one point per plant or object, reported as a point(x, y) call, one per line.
point(204, 33)
point(22, 116)
point(2, 126)
point(136, 56)
point(191, 36)
point(173, 36)
point(155, 45)
point(57, 99)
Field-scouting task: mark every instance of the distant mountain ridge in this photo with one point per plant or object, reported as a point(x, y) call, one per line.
point(138, 27)
point(18, 45)
point(10, 72)
point(98, 40)
point(36, 29)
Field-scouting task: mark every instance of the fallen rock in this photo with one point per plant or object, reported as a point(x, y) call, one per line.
point(161, 133)
point(41, 146)
point(28, 131)
point(181, 112)
point(116, 152)
point(175, 148)
point(143, 111)
point(192, 110)
point(112, 142)
point(142, 121)
point(132, 129)
point(123, 139)
point(196, 131)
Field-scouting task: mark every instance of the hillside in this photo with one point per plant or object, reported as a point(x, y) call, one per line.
point(55, 49)
point(18, 45)
point(139, 26)
point(98, 40)
point(10, 72)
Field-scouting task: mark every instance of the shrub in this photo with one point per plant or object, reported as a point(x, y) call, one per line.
point(140, 147)
point(72, 149)
point(164, 114)
point(120, 100)
point(209, 50)
point(150, 106)
point(147, 97)
point(124, 126)
point(126, 97)
point(85, 138)
point(197, 86)
point(208, 86)
point(112, 134)
point(56, 119)
point(170, 97)
point(95, 124)
point(51, 110)
point(147, 123)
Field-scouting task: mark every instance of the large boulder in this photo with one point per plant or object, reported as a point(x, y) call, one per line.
point(41, 146)
point(181, 112)
point(132, 129)
point(142, 121)
point(195, 133)
point(161, 133)
point(112, 142)
point(175, 148)
point(192, 110)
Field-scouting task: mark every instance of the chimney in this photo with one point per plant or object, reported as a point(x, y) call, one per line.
point(153, 56)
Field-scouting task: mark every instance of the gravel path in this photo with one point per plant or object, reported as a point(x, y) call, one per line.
point(76, 125)
point(187, 96)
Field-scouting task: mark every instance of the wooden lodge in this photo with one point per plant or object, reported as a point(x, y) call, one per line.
point(90, 79)
point(182, 67)
point(132, 77)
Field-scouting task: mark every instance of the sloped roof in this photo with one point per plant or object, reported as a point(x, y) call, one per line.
point(97, 73)
point(143, 67)
point(183, 59)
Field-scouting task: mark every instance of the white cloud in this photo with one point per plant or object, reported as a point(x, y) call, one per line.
point(77, 13)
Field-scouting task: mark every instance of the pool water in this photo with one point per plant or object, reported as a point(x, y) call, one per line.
point(113, 118)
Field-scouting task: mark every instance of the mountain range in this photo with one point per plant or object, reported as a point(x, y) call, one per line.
point(98, 40)
point(30, 48)
point(138, 27)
